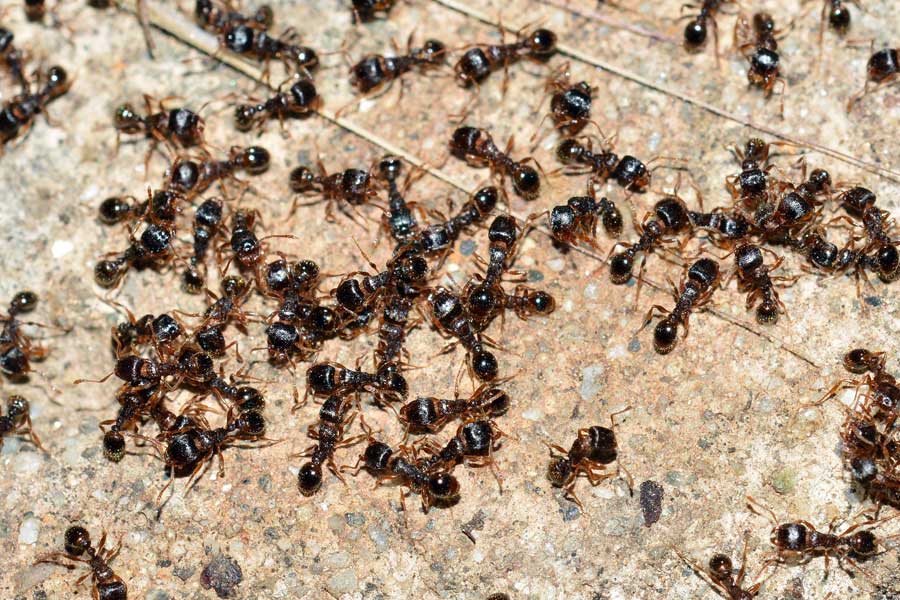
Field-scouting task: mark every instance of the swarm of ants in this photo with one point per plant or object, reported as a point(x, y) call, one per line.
point(181, 225)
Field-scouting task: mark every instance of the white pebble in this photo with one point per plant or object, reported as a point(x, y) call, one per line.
point(60, 248)
point(26, 463)
point(592, 380)
point(28, 532)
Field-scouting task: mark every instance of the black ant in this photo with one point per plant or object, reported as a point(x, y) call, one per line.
point(576, 220)
point(570, 103)
point(593, 449)
point(719, 574)
point(695, 31)
point(759, 46)
point(439, 237)
point(429, 415)
point(407, 270)
point(353, 186)
point(452, 320)
point(329, 434)
point(477, 147)
point(20, 111)
point(730, 226)
point(134, 406)
point(13, 59)
point(180, 126)
point(883, 68)
point(375, 71)
point(697, 287)
point(326, 379)
point(484, 298)
point(301, 99)
point(392, 329)
point(527, 302)
point(218, 20)
point(17, 349)
point(754, 278)
point(368, 10)
point(399, 219)
point(17, 420)
point(792, 213)
point(106, 584)
point(250, 42)
point(752, 185)
point(474, 444)
point(207, 224)
point(192, 178)
point(580, 158)
point(801, 540)
point(437, 488)
point(479, 62)
point(153, 249)
point(860, 202)
point(671, 218)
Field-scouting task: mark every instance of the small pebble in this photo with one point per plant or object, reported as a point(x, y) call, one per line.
point(355, 519)
point(873, 301)
point(342, 582)
point(591, 381)
point(28, 532)
point(467, 247)
point(377, 535)
point(634, 345)
point(338, 560)
point(651, 502)
point(27, 463)
point(534, 276)
point(223, 574)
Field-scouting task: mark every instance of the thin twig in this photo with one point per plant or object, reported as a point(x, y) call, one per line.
point(593, 15)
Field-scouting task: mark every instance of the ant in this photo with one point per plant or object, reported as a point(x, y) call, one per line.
point(483, 297)
point(218, 20)
point(250, 42)
point(793, 212)
point(753, 276)
point(106, 584)
point(367, 10)
point(671, 218)
point(801, 540)
point(730, 226)
point(429, 415)
point(577, 219)
point(399, 219)
point(437, 488)
point(329, 433)
point(883, 68)
point(407, 270)
point(759, 46)
point(876, 223)
point(593, 449)
point(13, 59)
point(440, 236)
point(451, 319)
point(628, 171)
point(477, 148)
point(375, 71)
point(719, 574)
point(180, 126)
point(20, 111)
point(695, 31)
point(696, 289)
point(154, 248)
point(570, 103)
point(479, 62)
point(392, 329)
point(133, 407)
point(192, 178)
point(16, 349)
point(301, 99)
point(353, 186)
point(474, 443)
point(17, 420)
point(324, 379)
point(527, 302)
point(207, 224)
point(752, 185)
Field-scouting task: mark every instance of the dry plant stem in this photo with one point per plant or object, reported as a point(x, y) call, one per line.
point(174, 24)
point(593, 15)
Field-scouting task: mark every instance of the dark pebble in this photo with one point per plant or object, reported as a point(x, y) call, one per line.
point(222, 574)
point(651, 502)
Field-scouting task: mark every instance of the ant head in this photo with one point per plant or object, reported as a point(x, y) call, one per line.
point(166, 328)
point(559, 471)
point(790, 536)
point(239, 39)
point(672, 213)
point(16, 406)
point(390, 168)
point(483, 300)
point(485, 199)
point(445, 305)
point(6, 39)
point(304, 93)
point(57, 81)
point(412, 269)
point(764, 61)
point(569, 151)
point(234, 286)
point(632, 173)
point(250, 399)
point(602, 445)
point(77, 540)
point(503, 230)
point(305, 57)
point(767, 313)
point(305, 272)
point(443, 487)
point(887, 397)
point(255, 159)
point(542, 43)
point(435, 51)
point(720, 567)
point(859, 360)
point(748, 257)
point(839, 18)
point(612, 221)
point(198, 365)
point(185, 174)
point(465, 141)
point(114, 209)
point(107, 273)
point(695, 34)
point(202, 9)
point(704, 271)
point(857, 199)
point(478, 437)
point(665, 336)
point(355, 185)
point(864, 470)
point(526, 181)
point(211, 340)
point(113, 446)
point(756, 150)
point(14, 362)
point(484, 364)
point(820, 179)
point(243, 117)
point(324, 319)
point(155, 240)
point(309, 479)
point(321, 378)
point(165, 205)
point(620, 267)
point(264, 16)
point(888, 262)
point(763, 23)
point(391, 380)
point(251, 423)
point(562, 219)
point(23, 302)
point(541, 303)
point(377, 456)
point(184, 124)
point(350, 295)
point(127, 120)
point(794, 207)
point(864, 543)
point(282, 337)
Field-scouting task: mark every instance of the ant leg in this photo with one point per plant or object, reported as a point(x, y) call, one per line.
point(649, 316)
point(569, 494)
